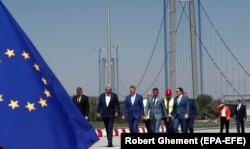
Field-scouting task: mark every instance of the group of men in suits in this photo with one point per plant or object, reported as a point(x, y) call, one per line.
point(175, 111)
point(108, 109)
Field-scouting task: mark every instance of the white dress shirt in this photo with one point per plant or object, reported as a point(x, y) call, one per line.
point(107, 98)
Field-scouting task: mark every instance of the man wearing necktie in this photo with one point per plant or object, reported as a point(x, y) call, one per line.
point(180, 112)
point(133, 109)
point(156, 109)
point(240, 115)
point(82, 102)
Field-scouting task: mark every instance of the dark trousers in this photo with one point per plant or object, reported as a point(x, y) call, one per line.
point(224, 122)
point(147, 124)
point(155, 125)
point(190, 124)
point(133, 125)
point(179, 121)
point(108, 123)
point(168, 124)
point(240, 124)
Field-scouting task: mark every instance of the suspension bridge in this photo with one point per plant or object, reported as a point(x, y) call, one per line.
point(202, 63)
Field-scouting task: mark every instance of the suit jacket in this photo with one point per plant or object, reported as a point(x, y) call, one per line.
point(110, 110)
point(241, 113)
point(181, 109)
point(193, 109)
point(83, 106)
point(157, 111)
point(133, 111)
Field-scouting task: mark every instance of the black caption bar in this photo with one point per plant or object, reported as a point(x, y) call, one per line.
point(201, 140)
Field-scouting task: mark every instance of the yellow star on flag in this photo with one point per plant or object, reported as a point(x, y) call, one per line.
point(37, 67)
point(25, 55)
point(30, 106)
point(13, 104)
point(47, 93)
point(42, 102)
point(1, 97)
point(10, 53)
point(44, 81)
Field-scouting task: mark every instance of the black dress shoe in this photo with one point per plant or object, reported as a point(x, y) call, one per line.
point(110, 145)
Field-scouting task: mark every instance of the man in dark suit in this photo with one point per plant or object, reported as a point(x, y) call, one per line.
point(240, 115)
point(192, 115)
point(133, 109)
point(180, 112)
point(108, 108)
point(82, 102)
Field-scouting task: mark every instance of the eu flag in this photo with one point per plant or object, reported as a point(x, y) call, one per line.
point(36, 112)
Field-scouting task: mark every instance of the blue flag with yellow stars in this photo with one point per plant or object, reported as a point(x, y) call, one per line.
point(36, 112)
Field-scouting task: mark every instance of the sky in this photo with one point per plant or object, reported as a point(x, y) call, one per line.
point(65, 33)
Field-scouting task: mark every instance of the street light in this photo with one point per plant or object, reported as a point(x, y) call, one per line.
point(116, 47)
point(109, 44)
point(99, 59)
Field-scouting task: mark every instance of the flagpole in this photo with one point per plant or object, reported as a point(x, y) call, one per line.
point(109, 45)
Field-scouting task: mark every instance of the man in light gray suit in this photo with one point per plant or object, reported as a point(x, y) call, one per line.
point(156, 108)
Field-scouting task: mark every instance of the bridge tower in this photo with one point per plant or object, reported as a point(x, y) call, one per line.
point(172, 45)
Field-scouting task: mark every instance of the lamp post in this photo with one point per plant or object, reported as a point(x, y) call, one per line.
point(99, 60)
point(109, 44)
point(116, 47)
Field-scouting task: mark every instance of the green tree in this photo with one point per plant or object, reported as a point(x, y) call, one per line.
point(207, 107)
point(93, 100)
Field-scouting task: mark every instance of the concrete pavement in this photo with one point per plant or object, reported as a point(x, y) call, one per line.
point(101, 144)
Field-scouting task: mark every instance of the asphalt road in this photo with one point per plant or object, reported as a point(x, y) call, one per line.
point(101, 144)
